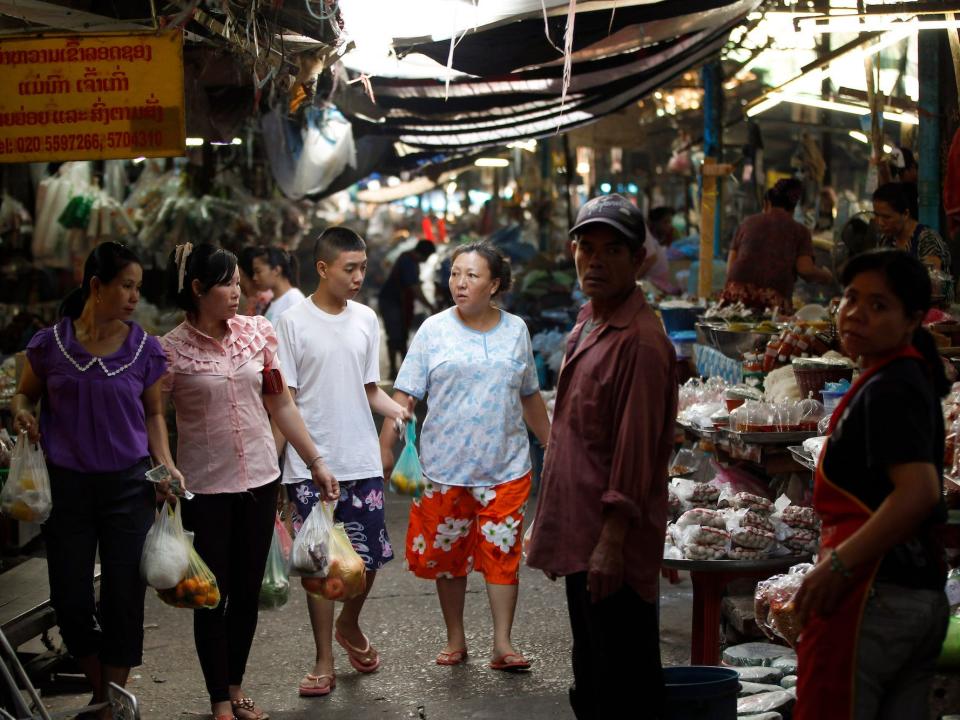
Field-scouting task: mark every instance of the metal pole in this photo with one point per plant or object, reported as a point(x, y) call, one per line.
point(712, 76)
point(929, 106)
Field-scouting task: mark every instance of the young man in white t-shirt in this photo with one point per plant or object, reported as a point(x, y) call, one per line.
point(330, 354)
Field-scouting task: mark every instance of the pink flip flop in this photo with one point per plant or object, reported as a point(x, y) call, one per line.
point(358, 655)
point(314, 685)
point(511, 662)
point(454, 657)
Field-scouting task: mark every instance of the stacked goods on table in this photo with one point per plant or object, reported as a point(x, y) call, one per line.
point(716, 522)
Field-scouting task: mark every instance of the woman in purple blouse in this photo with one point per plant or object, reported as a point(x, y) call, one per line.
point(98, 375)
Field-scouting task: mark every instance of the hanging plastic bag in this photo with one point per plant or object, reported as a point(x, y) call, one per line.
point(198, 586)
point(26, 496)
point(165, 558)
point(275, 589)
point(282, 536)
point(345, 575)
point(407, 475)
point(310, 555)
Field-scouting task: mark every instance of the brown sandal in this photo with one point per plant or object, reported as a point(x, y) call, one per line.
point(247, 705)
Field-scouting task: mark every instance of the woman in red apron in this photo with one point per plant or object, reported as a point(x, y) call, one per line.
point(874, 609)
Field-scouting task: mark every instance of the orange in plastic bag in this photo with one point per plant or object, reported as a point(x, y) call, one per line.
point(344, 576)
point(198, 588)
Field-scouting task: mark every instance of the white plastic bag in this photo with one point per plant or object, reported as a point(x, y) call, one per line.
point(165, 556)
point(26, 496)
point(310, 556)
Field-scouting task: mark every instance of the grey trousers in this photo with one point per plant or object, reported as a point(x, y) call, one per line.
point(901, 636)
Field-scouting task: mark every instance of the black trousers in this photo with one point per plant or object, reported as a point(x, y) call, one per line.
point(616, 654)
point(232, 533)
point(112, 512)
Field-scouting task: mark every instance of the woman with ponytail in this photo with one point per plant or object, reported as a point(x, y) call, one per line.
point(276, 270)
point(101, 420)
point(873, 609)
point(224, 378)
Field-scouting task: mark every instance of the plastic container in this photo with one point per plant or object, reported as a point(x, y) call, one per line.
point(701, 693)
point(683, 341)
point(830, 400)
point(680, 318)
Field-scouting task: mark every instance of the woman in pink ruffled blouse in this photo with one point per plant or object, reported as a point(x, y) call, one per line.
point(227, 454)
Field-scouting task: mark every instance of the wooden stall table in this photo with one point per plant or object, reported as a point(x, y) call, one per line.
point(709, 578)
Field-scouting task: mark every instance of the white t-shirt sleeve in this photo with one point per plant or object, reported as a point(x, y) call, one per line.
point(287, 351)
point(414, 372)
point(371, 371)
point(531, 381)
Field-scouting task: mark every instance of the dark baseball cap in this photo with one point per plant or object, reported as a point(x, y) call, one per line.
point(617, 212)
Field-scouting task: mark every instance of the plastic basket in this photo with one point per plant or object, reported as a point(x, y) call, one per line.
point(812, 379)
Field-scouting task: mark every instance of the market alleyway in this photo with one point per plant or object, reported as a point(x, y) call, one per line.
point(403, 620)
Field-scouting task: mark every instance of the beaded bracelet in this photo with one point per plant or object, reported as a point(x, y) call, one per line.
point(837, 566)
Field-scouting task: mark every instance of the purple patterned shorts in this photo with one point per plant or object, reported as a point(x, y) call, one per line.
point(360, 509)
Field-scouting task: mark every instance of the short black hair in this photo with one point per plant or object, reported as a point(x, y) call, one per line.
point(785, 194)
point(425, 248)
point(246, 256)
point(497, 262)
point(893, 194)
point(659, 213)
point(276, 257)
point(335, 240)
point(209, 264)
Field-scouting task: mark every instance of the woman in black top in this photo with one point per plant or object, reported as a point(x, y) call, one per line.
point(874, 608)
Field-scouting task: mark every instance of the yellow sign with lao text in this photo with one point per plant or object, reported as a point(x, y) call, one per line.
point(91, 97)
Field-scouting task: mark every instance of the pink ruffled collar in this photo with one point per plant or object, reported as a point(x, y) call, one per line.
point(245, 337)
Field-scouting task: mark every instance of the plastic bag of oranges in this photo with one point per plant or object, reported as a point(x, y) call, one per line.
point(198, 587)
point(26, 495)
point(339, 573)
point(407, 475)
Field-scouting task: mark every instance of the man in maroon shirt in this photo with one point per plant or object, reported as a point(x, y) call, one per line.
point(602, 510)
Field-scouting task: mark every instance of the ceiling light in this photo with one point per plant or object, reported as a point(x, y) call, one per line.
point(881, 23)
point(137, 161)
point(859, 136)
point(491, 162)
point(528, 145)
point(771, 101)
point(583, 168)
point(902, 118)
point(194, 142)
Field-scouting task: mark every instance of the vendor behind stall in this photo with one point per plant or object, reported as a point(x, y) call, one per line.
point(769, 250)
point(873, 610)
point(899, 228)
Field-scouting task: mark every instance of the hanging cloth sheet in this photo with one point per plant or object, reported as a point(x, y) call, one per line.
point(306, 157)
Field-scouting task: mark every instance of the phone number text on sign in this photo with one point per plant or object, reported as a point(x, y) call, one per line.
point(134, 141)
point(86, 97)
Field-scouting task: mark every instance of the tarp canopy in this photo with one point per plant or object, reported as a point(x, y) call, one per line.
point(513, 74)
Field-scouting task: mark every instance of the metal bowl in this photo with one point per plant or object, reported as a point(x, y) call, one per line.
point(733, 343)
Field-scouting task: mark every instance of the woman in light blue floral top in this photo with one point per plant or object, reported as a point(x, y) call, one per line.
point(475, 362)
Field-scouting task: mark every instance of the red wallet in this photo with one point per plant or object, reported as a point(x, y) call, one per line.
point(272, 381)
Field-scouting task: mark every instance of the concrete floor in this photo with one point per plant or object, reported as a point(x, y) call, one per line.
point(402, 618)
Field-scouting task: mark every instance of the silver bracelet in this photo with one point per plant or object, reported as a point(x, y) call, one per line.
point(314, 462)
